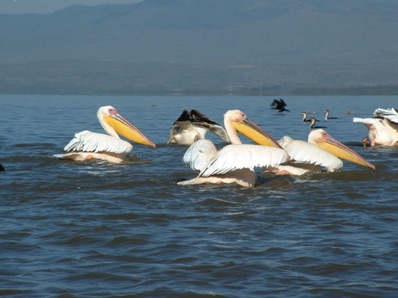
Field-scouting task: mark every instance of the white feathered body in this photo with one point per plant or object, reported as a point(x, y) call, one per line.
point(232, 164)
point(382, 130)
point(306, 152)
point(87, 144)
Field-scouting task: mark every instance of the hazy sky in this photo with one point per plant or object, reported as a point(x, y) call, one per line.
point(48, 6)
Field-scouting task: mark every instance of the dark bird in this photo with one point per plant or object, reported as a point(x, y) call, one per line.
point(2, 168)
point(192, 126)
point(312, 124)
point(327, 115)
point(279, 105)
point(305, 117)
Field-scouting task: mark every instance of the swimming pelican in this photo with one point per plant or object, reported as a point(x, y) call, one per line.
point(383, 129)
point(327, 115)
point(321, 150)
point(192, 126)
point(279, 105)
point(234, 163)
point(86, 144)
point(312, 121)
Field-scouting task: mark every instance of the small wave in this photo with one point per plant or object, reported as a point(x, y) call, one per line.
point(217, 202)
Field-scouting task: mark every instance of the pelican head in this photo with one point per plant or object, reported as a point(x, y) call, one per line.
point(326, 142)
point(243, 125)
point(114, 124)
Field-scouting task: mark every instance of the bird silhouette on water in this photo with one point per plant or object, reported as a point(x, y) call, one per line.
point(327, 115)
point(279, 105)
point(305, 117)
point(312, 123)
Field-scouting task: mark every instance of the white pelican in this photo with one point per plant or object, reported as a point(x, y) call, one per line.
point(234, 163)
point(321, 150)
point(86, 144)
point(383, 130)
point(192, 126)
point(327, 115)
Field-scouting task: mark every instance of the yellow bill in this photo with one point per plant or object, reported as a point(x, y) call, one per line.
point(340, 150)
point(255, 133)
point(128, 130)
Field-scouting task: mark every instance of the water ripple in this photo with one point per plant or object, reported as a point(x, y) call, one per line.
point(90, 229)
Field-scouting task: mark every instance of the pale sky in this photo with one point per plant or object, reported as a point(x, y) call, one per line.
point(48, 6)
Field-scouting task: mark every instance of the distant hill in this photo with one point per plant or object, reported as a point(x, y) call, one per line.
point(204, 46)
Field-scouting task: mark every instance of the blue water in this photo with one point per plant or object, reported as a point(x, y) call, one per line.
point(93, 229)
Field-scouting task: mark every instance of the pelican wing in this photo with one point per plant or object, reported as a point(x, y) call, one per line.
point(184, 133)
point(199, 154)
point(383, 131)
point(185, 116)
point(201, 121)
point(182, 126)
point(187, 132)
point(87, 141)
point(302, 151)
point(370, 123)
point(375, 126)
point(390, 114)
point(244, 156)
point(218, 130)
point(391, 117)
point(196, 116)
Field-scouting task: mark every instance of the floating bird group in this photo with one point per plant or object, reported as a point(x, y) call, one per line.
point(313, 120)
point(234, 162)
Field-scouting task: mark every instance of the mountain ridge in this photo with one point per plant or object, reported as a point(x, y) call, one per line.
point(345, 43)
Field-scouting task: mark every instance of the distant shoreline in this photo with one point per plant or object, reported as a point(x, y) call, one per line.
point(75, 77)
point(358, 91)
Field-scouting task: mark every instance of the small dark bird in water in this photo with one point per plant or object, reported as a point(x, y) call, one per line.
point(305, 117)
point(2, 168)
point(279, 105)
point(327, 115)
point(312, 124)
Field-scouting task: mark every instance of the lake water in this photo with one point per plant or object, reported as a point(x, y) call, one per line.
point(92, 229)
